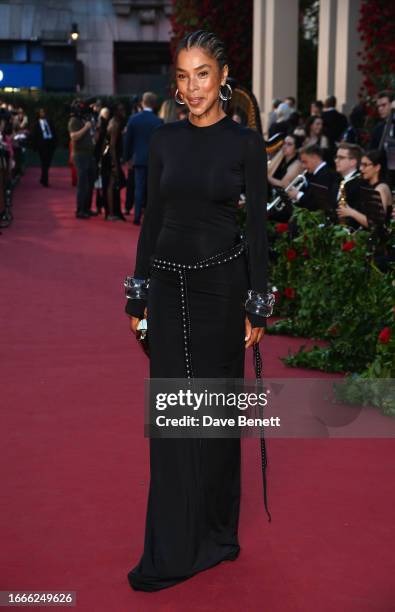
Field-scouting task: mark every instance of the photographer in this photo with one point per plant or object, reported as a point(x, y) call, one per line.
point(81, 134)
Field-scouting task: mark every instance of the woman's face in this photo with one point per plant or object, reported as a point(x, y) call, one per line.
point(198, 80)
point(289, 146)
point(316, 127)
point(314, 110)
point(368, 169)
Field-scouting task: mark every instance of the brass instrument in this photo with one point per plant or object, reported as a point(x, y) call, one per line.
point(297, 183)
point(342, 201)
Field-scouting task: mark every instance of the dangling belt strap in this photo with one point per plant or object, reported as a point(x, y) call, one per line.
point(182, 271)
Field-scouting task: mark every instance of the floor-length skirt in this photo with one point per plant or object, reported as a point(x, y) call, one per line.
point(194, 493)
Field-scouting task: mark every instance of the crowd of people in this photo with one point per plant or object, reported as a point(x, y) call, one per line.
point(109, 152)
point(13, 138)
point(16, 135)
point(326, 160)
point(332, 162)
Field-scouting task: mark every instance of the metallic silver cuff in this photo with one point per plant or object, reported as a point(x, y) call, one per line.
point(260, 303)
point(136, 288)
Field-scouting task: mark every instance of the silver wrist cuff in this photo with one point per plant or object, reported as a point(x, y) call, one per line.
point(260, 303)
point(136, 288)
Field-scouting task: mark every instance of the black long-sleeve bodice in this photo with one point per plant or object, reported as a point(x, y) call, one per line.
point(195, 177)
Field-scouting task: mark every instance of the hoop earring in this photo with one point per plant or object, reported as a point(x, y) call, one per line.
point(222, 96)
point(176, 98)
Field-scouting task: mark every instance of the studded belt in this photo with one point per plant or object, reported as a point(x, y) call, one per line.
point(182, 270)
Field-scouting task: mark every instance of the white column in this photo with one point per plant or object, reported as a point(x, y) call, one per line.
point(326, 49)
point(275, 52)
point(347, 77)
point(258, 53)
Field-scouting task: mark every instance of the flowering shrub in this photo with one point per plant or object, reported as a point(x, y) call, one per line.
point(337, 294)
point(376, 27)
point(385, 335)
point(289, 292)
point(348, 245)
point(291, 254)
point(230, 20)
point(281, 227)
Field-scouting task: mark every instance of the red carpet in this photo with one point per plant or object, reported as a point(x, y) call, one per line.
point(74, 469)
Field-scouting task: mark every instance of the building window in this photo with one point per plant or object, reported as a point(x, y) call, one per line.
point(19, 52)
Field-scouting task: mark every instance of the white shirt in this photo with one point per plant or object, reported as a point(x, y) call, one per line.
point(47, 134)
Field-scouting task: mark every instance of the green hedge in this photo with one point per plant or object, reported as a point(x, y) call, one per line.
point(328, 287)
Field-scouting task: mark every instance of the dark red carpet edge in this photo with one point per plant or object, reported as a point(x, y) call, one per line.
point(74, 469)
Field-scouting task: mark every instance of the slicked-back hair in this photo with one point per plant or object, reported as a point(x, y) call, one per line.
point(386, 93)
point(312, 149)
point(354, 150)
point(208, 42)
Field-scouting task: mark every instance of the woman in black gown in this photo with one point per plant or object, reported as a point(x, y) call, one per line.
point(197, 169)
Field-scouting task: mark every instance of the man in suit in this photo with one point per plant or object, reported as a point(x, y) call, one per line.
point(348, 181)
point(384, 109)
point(383, 136)
point(138, 135)
point(316, 193)
point(44, 142)
point(335, 123)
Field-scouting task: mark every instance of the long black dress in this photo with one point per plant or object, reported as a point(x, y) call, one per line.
point(195, 177)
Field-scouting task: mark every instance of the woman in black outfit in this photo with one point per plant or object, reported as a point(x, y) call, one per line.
point(102, 172)
point(112, 161)
point(290, 165)
point(287, 171)
point(200, 319)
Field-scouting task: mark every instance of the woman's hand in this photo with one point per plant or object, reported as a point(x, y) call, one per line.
point(253, 334)
point(134, 321)
point(345, 211)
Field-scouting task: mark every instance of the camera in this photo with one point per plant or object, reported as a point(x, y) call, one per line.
point(80, 109)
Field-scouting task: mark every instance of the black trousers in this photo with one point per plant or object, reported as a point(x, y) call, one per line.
point(129, 201)
point(86, 173)
point(46, 151)
point(140, 190)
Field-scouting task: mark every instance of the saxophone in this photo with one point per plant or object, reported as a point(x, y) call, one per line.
point(342, 199)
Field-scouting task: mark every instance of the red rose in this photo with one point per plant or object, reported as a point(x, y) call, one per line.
point(349, 245)
point(289, 292)
point(281, 227)
point(306, 252)
point(385, 335)
point(291, 254)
